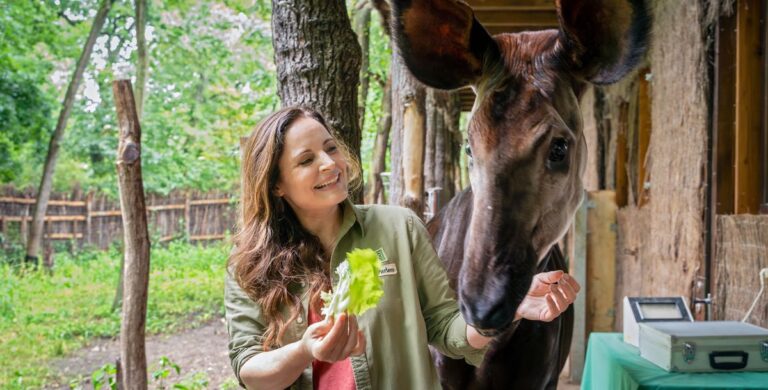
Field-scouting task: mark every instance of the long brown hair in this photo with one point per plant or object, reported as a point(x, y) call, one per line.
point(273, 253)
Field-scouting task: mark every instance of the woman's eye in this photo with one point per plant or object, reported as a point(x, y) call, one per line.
point(332, 149)
point(305, 161)
point(558, 151)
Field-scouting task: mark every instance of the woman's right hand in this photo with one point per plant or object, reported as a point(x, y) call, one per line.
point(331, 341)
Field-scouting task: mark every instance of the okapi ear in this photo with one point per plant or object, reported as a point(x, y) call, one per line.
point(442, 43)
point(602, 40)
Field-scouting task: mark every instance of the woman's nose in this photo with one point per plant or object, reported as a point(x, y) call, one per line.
point(326, 162)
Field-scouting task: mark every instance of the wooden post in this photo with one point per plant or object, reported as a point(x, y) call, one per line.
point(136, 273)
point(643, 137)
point(749, 58)
point(622, 156)
point(601, 261)
point(24, 229)
point(88, 206)
point(579, 272)
point(187, 217)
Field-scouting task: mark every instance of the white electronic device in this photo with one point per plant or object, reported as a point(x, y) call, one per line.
point(651, 309)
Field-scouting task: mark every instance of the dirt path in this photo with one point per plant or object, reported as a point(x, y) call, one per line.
point(199, 350)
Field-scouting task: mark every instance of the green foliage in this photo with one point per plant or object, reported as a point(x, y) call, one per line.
point(62, 312)
point(161, 375)
point(211, 78)
point(106, 375)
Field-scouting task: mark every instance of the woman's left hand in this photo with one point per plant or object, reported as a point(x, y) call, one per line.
point(549, 296)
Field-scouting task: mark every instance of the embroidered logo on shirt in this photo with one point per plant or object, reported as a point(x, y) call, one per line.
point(388, 269)
point(381, 255)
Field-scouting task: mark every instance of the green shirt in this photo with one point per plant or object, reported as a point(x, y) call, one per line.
point(418, 307)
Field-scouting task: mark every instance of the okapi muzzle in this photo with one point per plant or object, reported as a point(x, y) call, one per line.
point(525, 133)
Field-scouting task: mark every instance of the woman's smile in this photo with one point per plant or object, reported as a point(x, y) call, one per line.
point(329, 184)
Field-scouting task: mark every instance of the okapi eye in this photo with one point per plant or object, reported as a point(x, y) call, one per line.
point(558, 151)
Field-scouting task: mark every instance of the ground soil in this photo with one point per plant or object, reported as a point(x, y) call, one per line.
point(203, 349)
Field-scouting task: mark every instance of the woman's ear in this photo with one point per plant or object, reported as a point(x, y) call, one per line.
point(278, 192)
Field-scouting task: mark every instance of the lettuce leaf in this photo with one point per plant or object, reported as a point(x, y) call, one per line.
point(359, 287)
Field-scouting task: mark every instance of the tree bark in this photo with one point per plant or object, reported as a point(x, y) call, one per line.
point(408, 133)
point(44, 191)
point(136, 239)
point(318, 62)
point(362, 23)
point(143, 61)
point(376, 189)
point(443, 147)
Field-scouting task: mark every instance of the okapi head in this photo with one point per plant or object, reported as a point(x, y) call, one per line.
point(525, 133)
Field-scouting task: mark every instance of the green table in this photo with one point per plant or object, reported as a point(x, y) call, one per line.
point(612, 364)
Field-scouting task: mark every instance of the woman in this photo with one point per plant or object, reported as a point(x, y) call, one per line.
point(296, 225)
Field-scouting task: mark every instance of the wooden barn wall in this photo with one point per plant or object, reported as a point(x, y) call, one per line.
point(678, 149)
point(742, 251)
point(660, 248)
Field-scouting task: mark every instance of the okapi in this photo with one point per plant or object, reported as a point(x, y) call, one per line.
point(528, 154)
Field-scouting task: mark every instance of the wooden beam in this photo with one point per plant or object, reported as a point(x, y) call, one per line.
point(63, 236)
point(578, 269)
point(202, 202)
point(601, 261)
point(622, 153)
point(749, 66)
point(166, 207)
point(643, 136)
point(725, 116)
point(49, 218)
point(204, 237)
point(30, 201)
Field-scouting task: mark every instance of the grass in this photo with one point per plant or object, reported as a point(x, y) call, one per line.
point(45, 316)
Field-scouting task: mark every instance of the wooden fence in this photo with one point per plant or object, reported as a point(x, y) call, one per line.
point(96, 220)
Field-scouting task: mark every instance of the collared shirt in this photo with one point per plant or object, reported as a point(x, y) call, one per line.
point(418, 307)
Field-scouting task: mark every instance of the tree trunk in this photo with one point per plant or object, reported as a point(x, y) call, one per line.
point(44, 191)
point(318, 62)
point(136, 239)
point(379, 164)
point(141, 49)
point(443, 146)
point(141, 82)
point(408, 133)
point(362, 23)
point(443, 142)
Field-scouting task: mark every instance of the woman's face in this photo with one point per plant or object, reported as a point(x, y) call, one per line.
point(313, 170)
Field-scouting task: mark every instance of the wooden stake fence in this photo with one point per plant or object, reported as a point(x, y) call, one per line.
point(83, 224)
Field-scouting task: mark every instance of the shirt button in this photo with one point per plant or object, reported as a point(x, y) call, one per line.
point(299, 320)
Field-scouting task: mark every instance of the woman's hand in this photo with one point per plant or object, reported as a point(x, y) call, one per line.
point(331, 341)
point(549, 296)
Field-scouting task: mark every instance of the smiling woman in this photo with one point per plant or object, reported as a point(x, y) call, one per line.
point(297, 224)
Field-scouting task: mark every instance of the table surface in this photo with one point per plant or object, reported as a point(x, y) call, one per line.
point(613, 364)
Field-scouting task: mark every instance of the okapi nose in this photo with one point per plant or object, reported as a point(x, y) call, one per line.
point(485, 314)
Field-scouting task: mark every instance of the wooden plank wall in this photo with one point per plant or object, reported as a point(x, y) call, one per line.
point(742, 251)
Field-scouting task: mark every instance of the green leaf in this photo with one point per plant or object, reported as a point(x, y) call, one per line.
point(365, 288)
point(359, 287)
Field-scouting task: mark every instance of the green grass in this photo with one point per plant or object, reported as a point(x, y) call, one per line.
point(45, 316)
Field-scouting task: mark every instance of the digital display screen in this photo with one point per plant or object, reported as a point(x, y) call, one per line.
point(658, 311)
